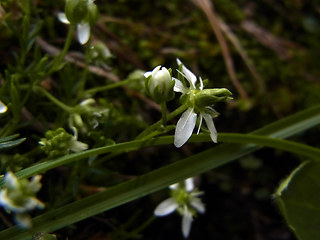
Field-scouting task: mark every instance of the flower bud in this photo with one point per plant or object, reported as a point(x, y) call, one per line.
point(209, 97)
point(99, 53)
point(76, 10)
point(58, 143)
point(93, 13)
point(159, 84)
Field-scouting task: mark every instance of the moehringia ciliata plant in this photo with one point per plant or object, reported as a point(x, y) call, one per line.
point(160, 86)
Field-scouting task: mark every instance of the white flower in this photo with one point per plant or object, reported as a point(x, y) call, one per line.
point(18, 196)
point(83, 28)
point(160, 77)
point(188, 119)
point(184, 200)
point(3, 107)
point(75, 145)
point(160, 84)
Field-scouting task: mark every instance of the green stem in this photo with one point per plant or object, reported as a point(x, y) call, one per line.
point(153, 127)
point(53, 99)
point(93, 91)
point(57, 61)
point(250, 139)
point(164, 113)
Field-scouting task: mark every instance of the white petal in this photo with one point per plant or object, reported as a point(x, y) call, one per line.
point(200, 123)
point(186, 222)
point(8, 204)
point(188, 74)
point(198, 205)
point(189, 185)
point(32, 204)
point(178, 86)
point(174, 186)
point(147, 74)
point(87, 102)
point(166, 207)
point(185, 127)
point(209, 121)
point(77, 146)
point(35, 185)
point(3, 107)
point(63, 18)
point(83, 30)
point(155, 70)
point(11, 181)
point(201, 83)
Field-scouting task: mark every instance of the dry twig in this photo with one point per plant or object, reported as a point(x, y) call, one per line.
point(207, 8)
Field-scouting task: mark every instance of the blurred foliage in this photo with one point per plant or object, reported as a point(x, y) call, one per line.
point(141, 35)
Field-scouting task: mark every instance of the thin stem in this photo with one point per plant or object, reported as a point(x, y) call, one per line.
point(53, 99)
point(164, 113)
point(249, 140)
point(158, 124)
point(57, 61)
point(93, 91)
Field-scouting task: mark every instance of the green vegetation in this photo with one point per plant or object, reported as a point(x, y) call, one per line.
point(85, 104)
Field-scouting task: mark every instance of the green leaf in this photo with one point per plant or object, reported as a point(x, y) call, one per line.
point(8, 138)
point(299, 200)
point(8, 142)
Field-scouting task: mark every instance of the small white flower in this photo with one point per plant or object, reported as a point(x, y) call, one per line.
point(188, 119)
point(18, 196)
point(75, 145)
point(3, 107)
point(160, 84)
point(83, 28)
point(184, 200)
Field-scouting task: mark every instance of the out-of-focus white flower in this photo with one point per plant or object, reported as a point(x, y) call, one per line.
point(3, 107)
point(19, 197)
point(83, 28)
point(184, 199)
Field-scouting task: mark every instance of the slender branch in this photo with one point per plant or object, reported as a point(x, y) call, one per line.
point(164, 113)
point(207, 8)
point(158, 124)
point(58, 60)
point(93, 91)
point(53, 99)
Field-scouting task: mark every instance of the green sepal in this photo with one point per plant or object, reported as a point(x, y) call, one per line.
point(93, 13)
point(209, 97)
point(158, 96)
point(76, 10)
